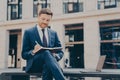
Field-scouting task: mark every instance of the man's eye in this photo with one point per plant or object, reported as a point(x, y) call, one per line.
point(48, 20)
point(43, 19)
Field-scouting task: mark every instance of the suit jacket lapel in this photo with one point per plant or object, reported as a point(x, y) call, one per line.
point(37, 35)
point(49, 38)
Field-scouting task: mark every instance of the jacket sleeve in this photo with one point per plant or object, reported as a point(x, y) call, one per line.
point(26, 46)
point(59, 53)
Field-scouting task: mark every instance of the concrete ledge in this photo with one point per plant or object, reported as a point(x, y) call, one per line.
point(21, 75)
point(14, 76)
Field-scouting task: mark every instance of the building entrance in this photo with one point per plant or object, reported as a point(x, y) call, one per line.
point(14, 56)
point(74, 46)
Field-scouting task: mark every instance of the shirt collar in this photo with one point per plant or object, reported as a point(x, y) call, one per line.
point(39, 28)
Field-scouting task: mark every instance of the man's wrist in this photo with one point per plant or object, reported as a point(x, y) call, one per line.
point(57, 57)
point(33, 52)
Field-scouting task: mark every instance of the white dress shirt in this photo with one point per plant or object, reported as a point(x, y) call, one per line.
point(41, 33)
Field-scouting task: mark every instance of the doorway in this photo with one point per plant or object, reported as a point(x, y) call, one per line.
point(14, 56)
point(74, 45)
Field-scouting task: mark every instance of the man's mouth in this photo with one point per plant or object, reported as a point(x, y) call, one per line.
point(44, 24)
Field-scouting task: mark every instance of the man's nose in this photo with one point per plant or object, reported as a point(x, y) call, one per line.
point(45, 21)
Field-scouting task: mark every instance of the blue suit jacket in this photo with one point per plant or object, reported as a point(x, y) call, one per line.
point(30, 36)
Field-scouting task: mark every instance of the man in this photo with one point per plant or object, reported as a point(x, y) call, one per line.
point(38, 59)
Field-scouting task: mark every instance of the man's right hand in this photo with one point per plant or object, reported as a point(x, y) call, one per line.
point(37, 47)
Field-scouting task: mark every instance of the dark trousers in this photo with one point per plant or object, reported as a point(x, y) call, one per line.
point(48, 65)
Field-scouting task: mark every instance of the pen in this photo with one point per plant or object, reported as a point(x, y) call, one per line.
point(36, 42)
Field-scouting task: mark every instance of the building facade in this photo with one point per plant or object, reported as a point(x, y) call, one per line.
point(86, 30)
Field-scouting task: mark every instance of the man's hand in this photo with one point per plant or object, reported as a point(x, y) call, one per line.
point(36, 48)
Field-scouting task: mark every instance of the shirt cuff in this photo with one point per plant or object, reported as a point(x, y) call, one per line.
point(57, 57)
point(32, 53)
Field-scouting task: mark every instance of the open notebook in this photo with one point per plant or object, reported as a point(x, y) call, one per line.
point(99, 65)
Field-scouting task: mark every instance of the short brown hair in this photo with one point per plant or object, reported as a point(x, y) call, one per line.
point(45, 11)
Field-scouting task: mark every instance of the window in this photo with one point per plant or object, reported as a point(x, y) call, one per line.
point(105, 4)
point(74, 45)
point(72, 6)
point(14, 10)
point(38, 4)
point(110, 43)
point(110, 3)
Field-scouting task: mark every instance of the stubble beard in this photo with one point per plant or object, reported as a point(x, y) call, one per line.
point(43, 25)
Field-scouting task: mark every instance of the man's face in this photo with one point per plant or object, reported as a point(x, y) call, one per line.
point(43, 20)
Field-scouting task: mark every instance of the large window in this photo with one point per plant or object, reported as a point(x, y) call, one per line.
point(110, 3)
point(71, 6)
point(14, 9)
point(74, 45)
point(106, 4)
point(110, 43)
point(38, 4)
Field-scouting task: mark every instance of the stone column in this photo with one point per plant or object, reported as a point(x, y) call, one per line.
point(57, 7)
point(27, 9)
point(90, 5)
point(3, 10)
point(4, 49)
point(91, 43)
